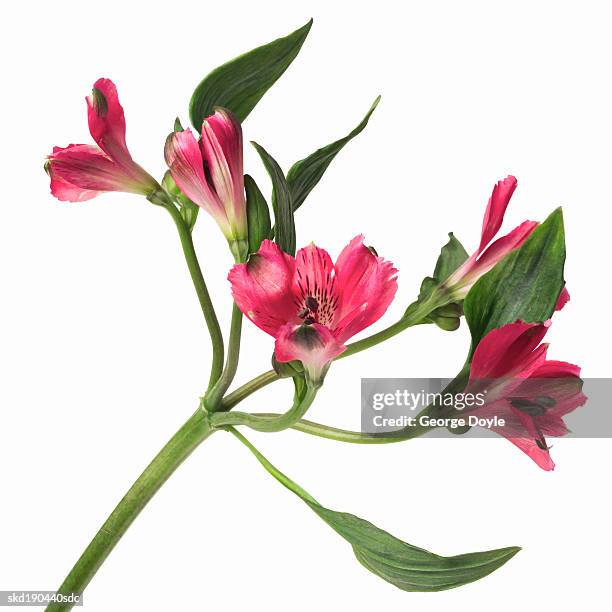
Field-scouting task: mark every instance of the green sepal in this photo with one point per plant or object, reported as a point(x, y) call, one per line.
point(306, 173)
point(239, 84)
point(448, 316)
point(189, 210)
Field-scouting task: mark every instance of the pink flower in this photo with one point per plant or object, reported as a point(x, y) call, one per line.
point(210, 172)
point(461, 281)
point(311, 305)
point(530, 393)
point(80, 172)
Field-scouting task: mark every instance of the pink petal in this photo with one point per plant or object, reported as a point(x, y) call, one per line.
point(502, 246)
point(314, 345)
point(262, 288)
point(529, 446)
point(509, 351)
point(315, 278)
point(563, 299)
point(65, 191)
point(496, 209)
point(366, 285)
point(222, 152)
point(106, 120)
point(86, 167)
point(184, 159)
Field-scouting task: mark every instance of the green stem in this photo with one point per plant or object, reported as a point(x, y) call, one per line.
point(208, 309)
point(214, 396)
point(413, 316)
point(278, 423)
point(243, 392)
point(187, 438)
point(282, 478)
point(353, 437)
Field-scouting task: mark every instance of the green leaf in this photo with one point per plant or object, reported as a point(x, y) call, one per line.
point(178, 127)
point(306, 173)
point(451, 257)
point(407, 567)
point(284, 223)
point(524, 286)
point(239, 84)
point(258, 215)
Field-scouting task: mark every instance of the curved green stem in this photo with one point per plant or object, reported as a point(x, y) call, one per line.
point(208, 309)
point(277, 423)
point(229, 401)
point(353, 437)
point(416, 315)
point(213, 397)
point(180, 446)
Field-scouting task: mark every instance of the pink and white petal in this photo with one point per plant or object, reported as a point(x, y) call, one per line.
point(502, 246)
point(184, 158)
point(89, 168)
point(262, 288)
point(563, 299)
point(315, 277)
point(67, 192)
point(314, 345)
point(496, 209)
point(510, 351)
point(221, 145)
point(107, 120)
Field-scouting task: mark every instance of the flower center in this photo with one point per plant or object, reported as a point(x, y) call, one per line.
point(318, 308)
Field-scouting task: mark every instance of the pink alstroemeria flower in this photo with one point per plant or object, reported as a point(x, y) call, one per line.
point(530, 393)
point(311, 305)
point(80, 172)
point(210, 172)
point(484, 259)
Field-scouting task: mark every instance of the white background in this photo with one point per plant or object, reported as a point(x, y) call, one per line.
point(102, 348)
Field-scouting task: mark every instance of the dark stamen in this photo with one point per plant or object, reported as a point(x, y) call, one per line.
point(312, 303)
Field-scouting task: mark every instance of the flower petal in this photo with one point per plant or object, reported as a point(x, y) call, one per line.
point(501, 247)
point(510, 351)
point(563, 299)
point(315, 278)
point(366, 285)
point(184, 159)
point(221, 145)
point(87, 168)
point(262, 288)
point(106, 120)
point(314, 345)
point(496, 209)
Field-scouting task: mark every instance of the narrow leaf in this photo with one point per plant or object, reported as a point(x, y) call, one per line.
point(239, 84)
point(407, 567)
point(306, 173)
point(524, 286)
point(284, 223)
point(258, 215)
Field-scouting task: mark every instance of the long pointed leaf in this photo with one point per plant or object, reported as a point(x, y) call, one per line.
point(284, 223)
point(407, 567)
point(306, 173)
point(239, 84)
